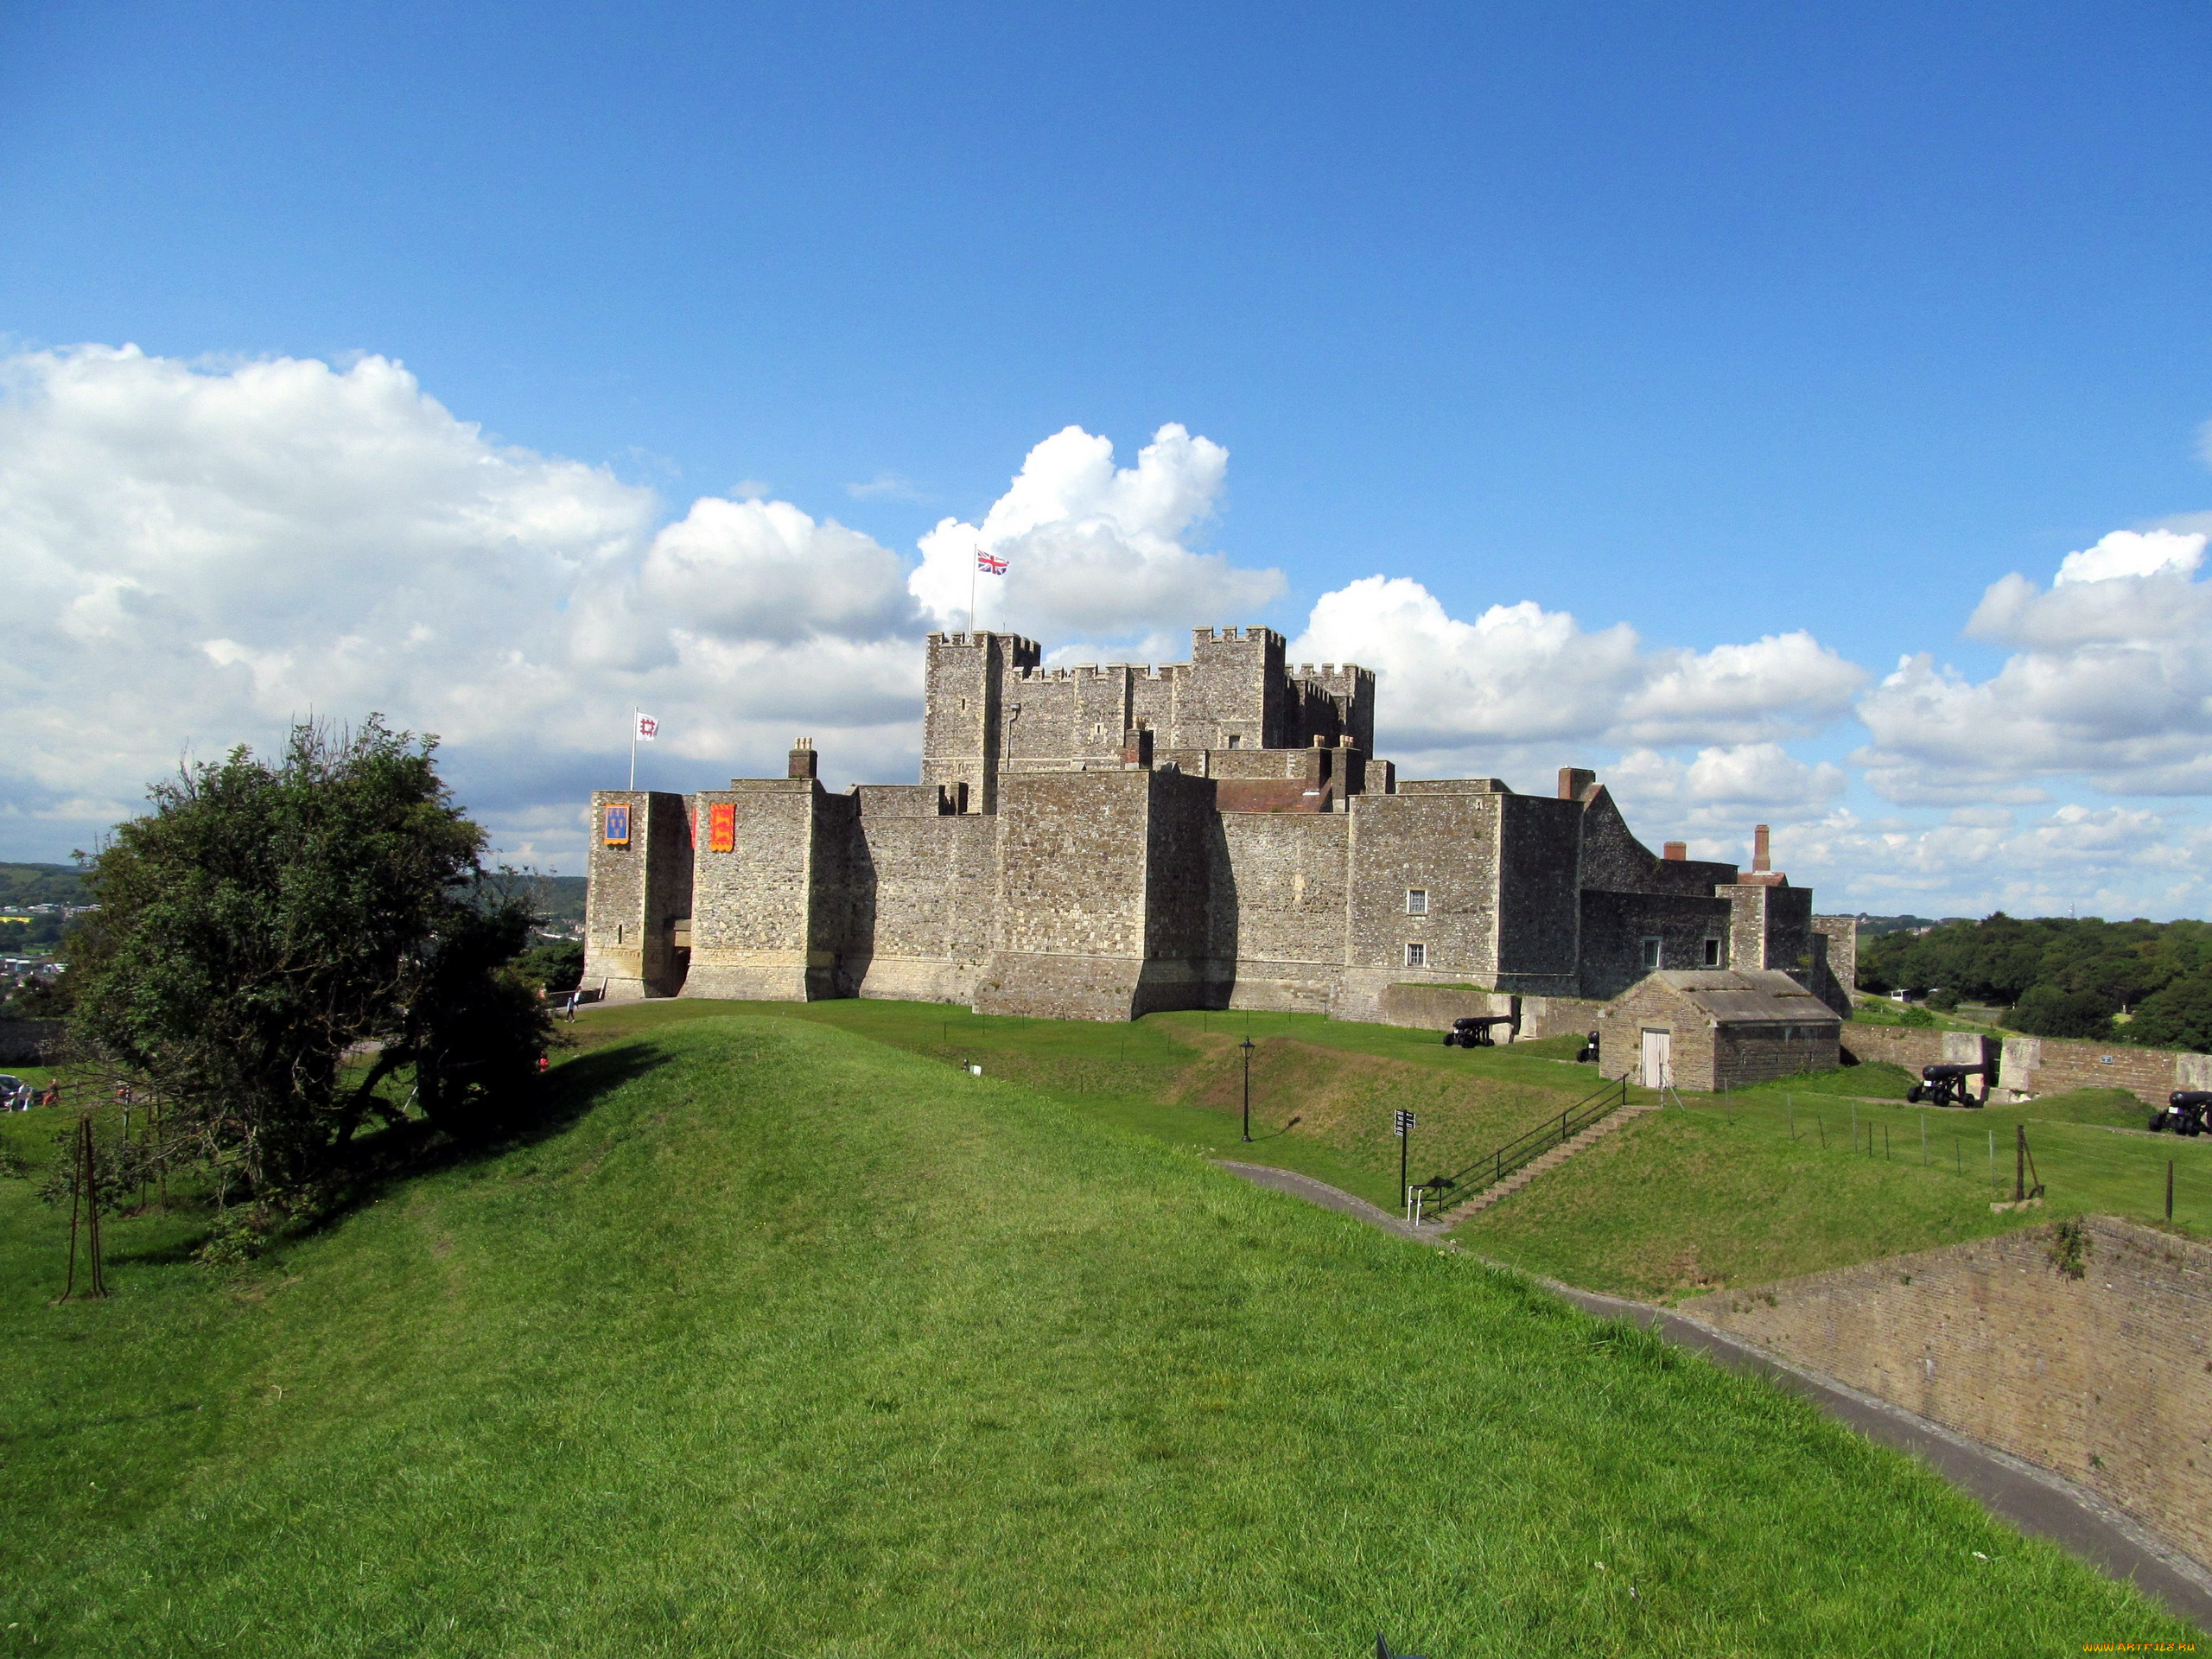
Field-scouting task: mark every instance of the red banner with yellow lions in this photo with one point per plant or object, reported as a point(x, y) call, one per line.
point(722, 827)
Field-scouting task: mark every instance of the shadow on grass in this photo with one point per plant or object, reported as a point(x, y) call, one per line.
point(407, 1151)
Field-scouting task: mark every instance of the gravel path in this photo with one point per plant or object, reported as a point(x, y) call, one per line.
point(2034, 1500)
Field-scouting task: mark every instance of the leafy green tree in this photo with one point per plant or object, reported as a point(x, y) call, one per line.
point(2177, 1016)
point(557, 964)
point(2047, 1011)
point(270, 924)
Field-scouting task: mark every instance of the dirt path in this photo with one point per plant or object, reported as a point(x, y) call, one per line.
point(2034, 1500)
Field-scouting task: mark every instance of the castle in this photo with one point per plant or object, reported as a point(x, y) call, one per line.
point(1100, 843)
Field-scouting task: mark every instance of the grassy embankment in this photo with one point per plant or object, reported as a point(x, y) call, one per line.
point(777, 1342)
point(1764, 1186)
point(1797, 1178)
point(1724, 1194)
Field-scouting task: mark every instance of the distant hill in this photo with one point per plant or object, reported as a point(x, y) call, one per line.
point(22, 884)
point(563, 897)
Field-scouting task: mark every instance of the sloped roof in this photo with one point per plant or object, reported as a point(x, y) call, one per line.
point(1732, 995)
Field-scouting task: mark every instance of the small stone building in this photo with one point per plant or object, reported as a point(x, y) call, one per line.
point(1717, 1029)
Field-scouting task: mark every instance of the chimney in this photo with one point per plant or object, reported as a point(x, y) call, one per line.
point(802, 757)
point(1573, 780)
point(1760, 860)
point(1676, 851)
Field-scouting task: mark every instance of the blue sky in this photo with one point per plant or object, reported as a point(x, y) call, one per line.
point(1723, 322)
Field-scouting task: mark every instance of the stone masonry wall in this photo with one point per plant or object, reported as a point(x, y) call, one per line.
point(1447, 847)
point(1658, 1005)
point(753, 907)
point(1279, 903)
point(1539, 920)
point(1615, 925)
point(1071, 902)
point(925, 887)
point(638, 892)
point(2050, 1065)
point(2106, 1378)
point(1913, 1048)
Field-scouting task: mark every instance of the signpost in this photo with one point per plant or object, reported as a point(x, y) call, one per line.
point(1402, 1125)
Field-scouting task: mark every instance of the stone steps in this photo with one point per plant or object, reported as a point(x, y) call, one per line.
point(1558, 1155)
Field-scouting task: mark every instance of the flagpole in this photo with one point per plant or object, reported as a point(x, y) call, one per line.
point(635, 713)
point(972, 564)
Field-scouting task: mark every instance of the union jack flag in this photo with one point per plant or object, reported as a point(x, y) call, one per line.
point(990, 563)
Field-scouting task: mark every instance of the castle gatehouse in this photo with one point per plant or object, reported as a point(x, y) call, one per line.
point(1104, 843)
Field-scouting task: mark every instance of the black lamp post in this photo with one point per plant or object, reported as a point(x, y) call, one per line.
point(1247, 1047)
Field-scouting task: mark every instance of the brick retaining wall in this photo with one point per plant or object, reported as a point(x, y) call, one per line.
point(2106, 1378)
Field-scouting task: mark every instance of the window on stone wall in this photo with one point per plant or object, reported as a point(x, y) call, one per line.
point(1234, 739)
point(1416, 956)
point(1650, 953)
point(1416, 901)
point(1712, 953)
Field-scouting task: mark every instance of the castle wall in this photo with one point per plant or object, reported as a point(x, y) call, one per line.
point(925, 888)
point(962, 721)
point(637, 893)
point(1771, 927)
point(1539, 922)
point(1615, 925)
point(1236, 690)
point(1444, 844)
point(753, 933)
point(1071, 895)
point(1064, 716)
point(1280, 904)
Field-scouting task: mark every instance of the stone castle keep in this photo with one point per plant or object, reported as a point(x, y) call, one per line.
point(1100, 843)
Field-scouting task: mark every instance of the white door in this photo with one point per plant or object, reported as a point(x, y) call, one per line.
point(1658, 1059)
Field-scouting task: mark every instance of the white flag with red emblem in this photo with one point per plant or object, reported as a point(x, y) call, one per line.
point(647, 726)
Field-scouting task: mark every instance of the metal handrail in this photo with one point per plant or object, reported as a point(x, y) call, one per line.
point(1488, 1171)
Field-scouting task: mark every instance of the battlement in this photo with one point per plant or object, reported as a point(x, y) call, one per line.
point(1253, 635)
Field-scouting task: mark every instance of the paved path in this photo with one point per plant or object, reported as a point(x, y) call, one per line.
point(2034, 1500)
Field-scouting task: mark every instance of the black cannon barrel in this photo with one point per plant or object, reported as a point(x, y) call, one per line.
point(1938, 1073)
point(2190, 1097)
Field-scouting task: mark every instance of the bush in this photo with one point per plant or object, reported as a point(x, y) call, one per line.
point(2179, 1016)
point(2045, 1011)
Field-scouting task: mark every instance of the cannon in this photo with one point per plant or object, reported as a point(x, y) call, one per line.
point(1474, 1031)
point(1589, 1054)
point(1946, 1085)
point(2184, 1113)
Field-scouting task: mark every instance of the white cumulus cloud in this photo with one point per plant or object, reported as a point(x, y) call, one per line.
point(1094, 550)
point(1519, 674)
point(211, 551)
point(2109, 679)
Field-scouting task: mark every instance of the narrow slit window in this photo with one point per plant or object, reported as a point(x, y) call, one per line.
point(1651, 954)
point(1416, 955)
point(1712, 953)
point(1416, 901)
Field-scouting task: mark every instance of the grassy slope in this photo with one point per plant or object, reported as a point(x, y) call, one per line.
point(788, 1344)
point(1677, 1203)
point(1778, 1182)
point(1179, 1077)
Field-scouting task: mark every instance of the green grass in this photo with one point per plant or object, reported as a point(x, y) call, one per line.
point(1323, 1091)
point(1788, 1179)
point(779, 1342)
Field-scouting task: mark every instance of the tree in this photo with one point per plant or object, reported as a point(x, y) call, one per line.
point(268, 924)
point(556, 965)
point(2179, 1016)
point(2046, 1011)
